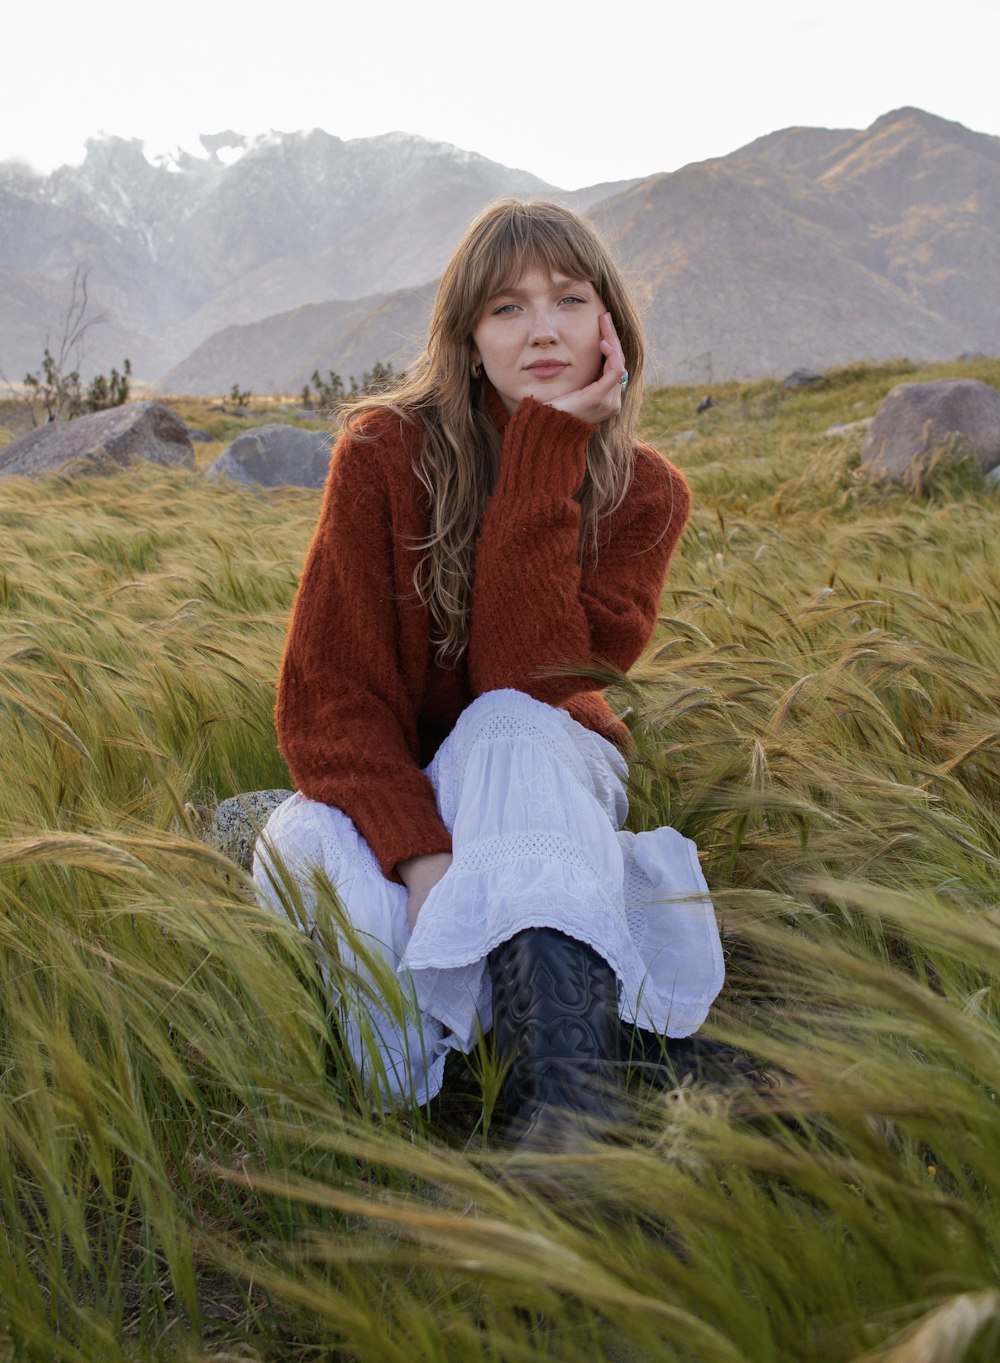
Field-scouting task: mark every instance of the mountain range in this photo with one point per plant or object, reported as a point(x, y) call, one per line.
point(260, 261)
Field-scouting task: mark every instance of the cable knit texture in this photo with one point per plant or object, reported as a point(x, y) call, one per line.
point(363, 704)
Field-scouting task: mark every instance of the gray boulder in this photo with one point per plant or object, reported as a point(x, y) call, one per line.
point(917, 421)
point(803, 378)
point(275, 456)
point(234, 826)
point(100, 443)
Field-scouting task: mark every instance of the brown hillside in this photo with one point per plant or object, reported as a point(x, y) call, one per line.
point(807, 247)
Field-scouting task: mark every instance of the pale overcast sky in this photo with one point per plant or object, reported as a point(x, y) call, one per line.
point(577, 92)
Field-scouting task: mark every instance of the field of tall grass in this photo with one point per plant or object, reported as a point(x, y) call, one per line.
point(185, 1169)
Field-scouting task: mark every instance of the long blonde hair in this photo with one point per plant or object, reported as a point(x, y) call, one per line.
point(459, 457)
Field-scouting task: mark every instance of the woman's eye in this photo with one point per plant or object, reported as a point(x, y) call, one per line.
point(572, 298)
point(504, 308)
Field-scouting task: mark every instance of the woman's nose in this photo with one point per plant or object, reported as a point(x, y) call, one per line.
point(544, 330)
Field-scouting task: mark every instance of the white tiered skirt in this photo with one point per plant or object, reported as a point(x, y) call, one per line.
point(534, 802)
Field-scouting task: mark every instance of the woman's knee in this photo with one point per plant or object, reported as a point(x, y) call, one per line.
point(509, 713)
point(519, 738)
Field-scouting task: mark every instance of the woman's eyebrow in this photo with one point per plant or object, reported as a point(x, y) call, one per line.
point(559, 281)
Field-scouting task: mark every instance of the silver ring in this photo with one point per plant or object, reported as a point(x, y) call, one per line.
point(624, 380)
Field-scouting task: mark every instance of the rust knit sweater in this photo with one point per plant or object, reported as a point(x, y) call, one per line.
point(362, 703)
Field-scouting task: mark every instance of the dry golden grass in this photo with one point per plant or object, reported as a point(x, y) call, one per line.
point(185, 1174)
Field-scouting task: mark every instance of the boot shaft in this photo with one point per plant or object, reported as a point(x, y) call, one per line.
point(555, 1020)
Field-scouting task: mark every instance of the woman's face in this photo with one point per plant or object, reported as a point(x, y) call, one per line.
point(540, 338)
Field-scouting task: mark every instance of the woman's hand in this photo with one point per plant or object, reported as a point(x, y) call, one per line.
point(420, 875)
point(602, 398)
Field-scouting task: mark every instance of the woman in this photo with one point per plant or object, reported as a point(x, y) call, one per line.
point(491, 537)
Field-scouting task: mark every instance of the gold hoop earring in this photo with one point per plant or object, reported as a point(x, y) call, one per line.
point(475, 369)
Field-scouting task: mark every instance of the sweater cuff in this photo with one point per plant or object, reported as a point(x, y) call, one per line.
point(396, 825)
point(404, 837)
point(543, 448)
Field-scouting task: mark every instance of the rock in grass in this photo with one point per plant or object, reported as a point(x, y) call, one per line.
point(275, 456)
point(803, 378)
point(845, 428)
point(102, 442)
point(918, 421)
point(235, 826)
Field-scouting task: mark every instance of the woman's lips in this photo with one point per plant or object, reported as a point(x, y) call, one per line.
point(547, 369)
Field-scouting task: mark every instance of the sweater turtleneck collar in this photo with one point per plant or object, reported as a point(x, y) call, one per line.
point(500, 416)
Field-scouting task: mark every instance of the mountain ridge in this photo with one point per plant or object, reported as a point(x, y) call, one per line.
point(806, 245)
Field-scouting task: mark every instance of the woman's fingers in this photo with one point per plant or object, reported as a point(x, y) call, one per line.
point(596, 402)
point(609, 381)
point(615, 354)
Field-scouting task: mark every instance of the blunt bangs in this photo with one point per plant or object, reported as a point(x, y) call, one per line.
point(522, 239)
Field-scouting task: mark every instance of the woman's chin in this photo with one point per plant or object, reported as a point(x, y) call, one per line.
point(549, 390)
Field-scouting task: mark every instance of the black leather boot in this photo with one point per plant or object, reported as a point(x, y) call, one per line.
point(668, 1063)
point(555, 1020)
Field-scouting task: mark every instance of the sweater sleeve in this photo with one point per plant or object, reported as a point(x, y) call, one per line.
point(537, 613)
point(346, 723)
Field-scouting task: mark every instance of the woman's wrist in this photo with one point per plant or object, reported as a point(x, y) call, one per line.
point(544, 452)
point(416, 871)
